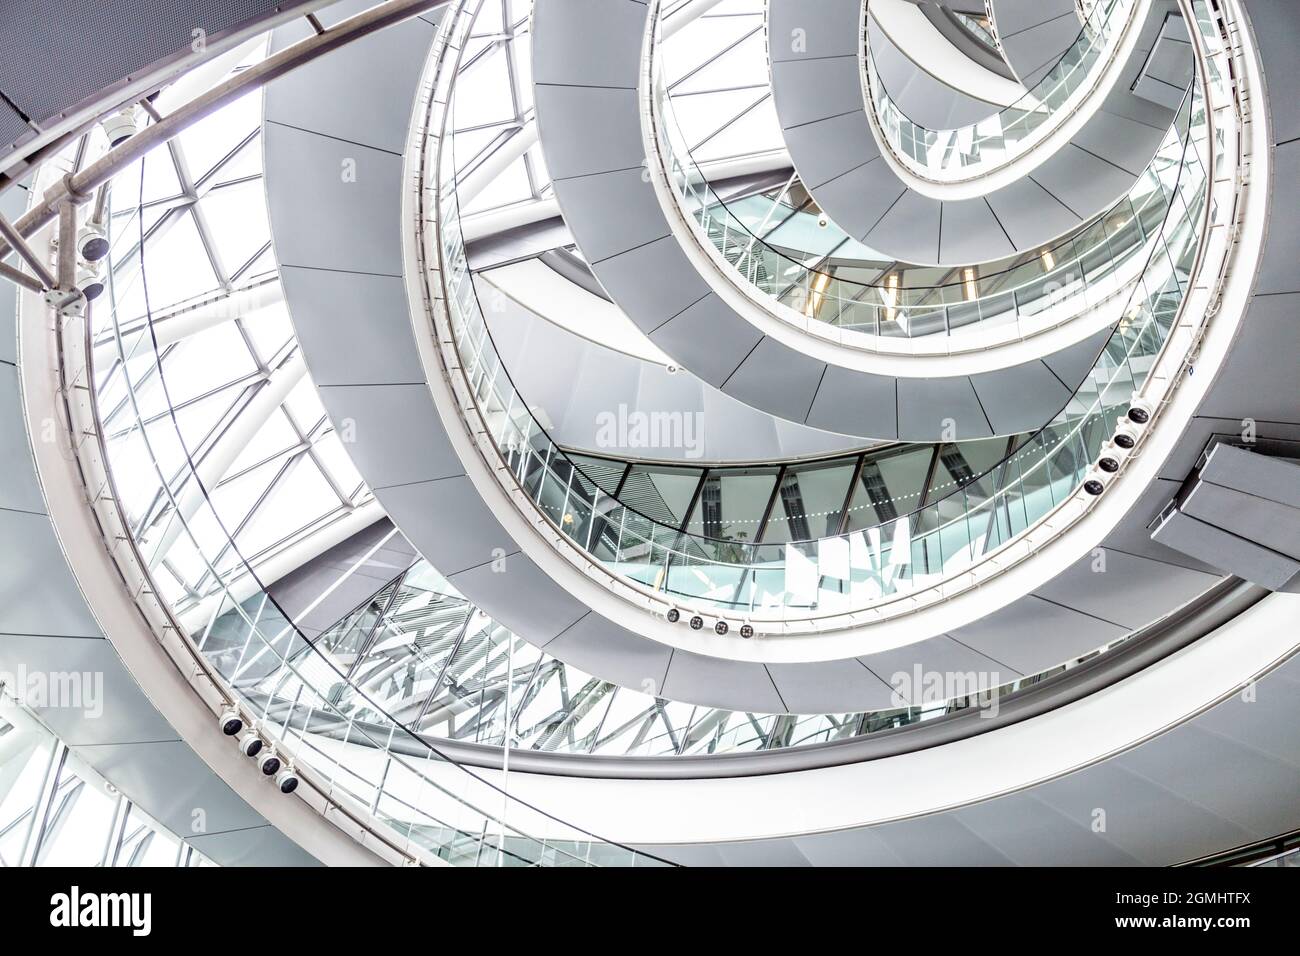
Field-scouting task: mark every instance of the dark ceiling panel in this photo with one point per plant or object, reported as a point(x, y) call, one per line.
point(54, 54)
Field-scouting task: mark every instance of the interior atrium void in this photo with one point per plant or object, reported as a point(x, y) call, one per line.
point(650, 433)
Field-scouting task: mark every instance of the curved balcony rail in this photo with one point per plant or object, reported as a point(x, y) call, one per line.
point(781, 588)
point(232, 634)
point(446, 670)
point(969, 152)
point(884, 306)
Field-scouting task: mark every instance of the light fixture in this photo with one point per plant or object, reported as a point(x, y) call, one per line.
point(720, 627)
point(818, 291)
point(230, 722)
point(890, 295)
point(1049, 260)
point(968, 282)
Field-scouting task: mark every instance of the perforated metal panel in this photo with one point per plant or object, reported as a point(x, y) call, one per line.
point(54, 54)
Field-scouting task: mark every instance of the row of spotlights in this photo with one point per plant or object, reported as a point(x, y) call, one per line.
point(1124, 440)
point(719, 626)
point(252, 745)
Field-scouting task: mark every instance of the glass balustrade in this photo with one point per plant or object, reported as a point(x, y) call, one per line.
point(953, 155)
point(448, 671)
point(873, 564)
point(807, 264)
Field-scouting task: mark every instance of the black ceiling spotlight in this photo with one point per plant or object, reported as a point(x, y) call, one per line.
point(250, 745)
point(287, 780)
point(230, 722)
point(1125, 440)
point(1093, 486)
point(697, 622)
point(1108, 464)
point(121, 126)
point(1139, 414)
point(720, 627)
point(747, 631)
point(92, 242)
point(673, 615)
point(269, 763)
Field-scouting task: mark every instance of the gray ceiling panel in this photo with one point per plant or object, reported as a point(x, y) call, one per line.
point(818, 89)
point(376, 421)
point(572, 57)
point(1149, 821)
point(829, 687)
point(1245, 780)
point(325, 98)
point(37, 592)
point(314, 184)
point(1277, 35)
point(611, 213)
point(899, 667)
point(1013, 17)
point(1262, 476)
point(1132, 535)
point(1081, 181)
point(613, 653)
point(1277, 271)
point(846, 848)
point(1265, 722)
point(857, 404)
point(179, 782)
point(449, 523)
point(1030, 833)
point(650, 304)
point(929, 407)
point(1235, 555)
point(1032, 634)
point(971, 233)
point(13, 128)
point(1117, 139)
point(830, 148)
point(1029, 213)
point(717, 683)
point(38, 44)
point(520, 596)
point(19, 489)
point(938, 841)
point(755, 853)
point(1020, 398)
point(778, 379)
point(709, 330)
point(13, 203)
point(258, 846)
point(910, 229)
point(1034, 51)
point(1275, 526)
point(114, 710)
point(798, 30)
point(353, 329)
point(572, 111)
point(1265, 351)
point(1123, 588)
point(1073, 363)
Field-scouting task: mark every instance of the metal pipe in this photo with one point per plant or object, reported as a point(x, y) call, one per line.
point(80, 187)
point(15, 240)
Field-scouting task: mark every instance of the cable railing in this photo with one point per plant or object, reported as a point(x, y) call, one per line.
point(390, 783)
point(967, 152)
point(1085, 274)
point(771, 585)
